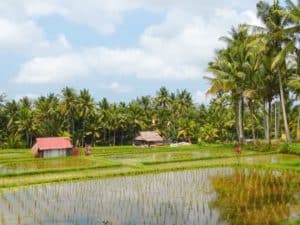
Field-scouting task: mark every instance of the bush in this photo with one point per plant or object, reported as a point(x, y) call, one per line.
point(208, 133)
point(285, 148)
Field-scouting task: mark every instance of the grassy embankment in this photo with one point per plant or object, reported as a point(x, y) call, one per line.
point(19, 168)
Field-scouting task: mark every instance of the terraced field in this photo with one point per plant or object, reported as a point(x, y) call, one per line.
point(19, 168)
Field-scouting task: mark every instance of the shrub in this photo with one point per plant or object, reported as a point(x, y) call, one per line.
point(284, 148)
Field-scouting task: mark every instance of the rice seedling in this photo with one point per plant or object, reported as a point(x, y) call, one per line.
point(185, 197)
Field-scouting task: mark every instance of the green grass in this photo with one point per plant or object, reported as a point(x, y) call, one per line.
point(291, 222)
point(294, 148)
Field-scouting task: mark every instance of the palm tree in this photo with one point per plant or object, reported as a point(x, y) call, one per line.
point(137, 118)
point(146, 105)
point(162, 99)
point(114, 120)
point(274, 21)
point(11, 112)
point(104, 114)
point(86, 106)
point(294, 83)
point(230, 74)
point(48, 116)
point(26, 124)
point(183, 101)
point(162, 104)
point(69, 109)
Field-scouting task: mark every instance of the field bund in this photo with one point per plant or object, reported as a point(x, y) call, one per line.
point(18, 167)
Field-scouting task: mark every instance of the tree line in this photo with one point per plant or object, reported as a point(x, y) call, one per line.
point(258, 71)
point(79, 116)
point(254, 80)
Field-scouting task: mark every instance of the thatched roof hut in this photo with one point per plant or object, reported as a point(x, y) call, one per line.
point(148, 138)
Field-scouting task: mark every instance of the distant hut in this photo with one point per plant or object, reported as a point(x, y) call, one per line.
point(148, 138)
point(52, 147)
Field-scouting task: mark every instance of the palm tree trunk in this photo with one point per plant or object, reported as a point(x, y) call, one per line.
point(285, 121)
point(114, 137)
point(240, 119)
point(298, 124)
point(27, 138)
point(104, 135)
point(122, 137)
point(252, 120)
point(269, 122)
point(276, 121)
point(236, 109)
point(109, 137)
point(266, 122)
point(30, 140)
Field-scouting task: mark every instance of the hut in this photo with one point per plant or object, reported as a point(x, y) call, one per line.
point(148, 138)
point(52, 147)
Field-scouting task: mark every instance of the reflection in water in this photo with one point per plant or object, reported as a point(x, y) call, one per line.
point(255, 197)
point(185, 197)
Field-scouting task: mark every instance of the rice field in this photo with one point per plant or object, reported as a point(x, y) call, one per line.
point(203, 196)
point(19, 168)
point(33, 191)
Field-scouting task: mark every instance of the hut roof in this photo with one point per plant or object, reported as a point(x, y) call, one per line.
point(149, 136)
point(49, 143)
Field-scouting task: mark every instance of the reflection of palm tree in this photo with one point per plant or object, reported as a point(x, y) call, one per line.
point(255, 196)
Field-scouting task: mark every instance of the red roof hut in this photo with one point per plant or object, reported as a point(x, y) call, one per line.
point(52, 147)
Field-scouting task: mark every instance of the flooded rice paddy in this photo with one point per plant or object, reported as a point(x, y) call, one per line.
point(217, 196)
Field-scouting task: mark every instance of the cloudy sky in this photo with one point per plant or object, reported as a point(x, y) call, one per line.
point(118, 49)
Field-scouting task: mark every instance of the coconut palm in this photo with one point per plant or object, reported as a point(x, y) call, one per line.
point(275, 22)
point(230, 74)
point(69, 107)
point(294, 83)
point(48, 116)
point(87, 109)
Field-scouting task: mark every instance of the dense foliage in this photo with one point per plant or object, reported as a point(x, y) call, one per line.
point(255, 83)
point(258, 72)
point(79, 116)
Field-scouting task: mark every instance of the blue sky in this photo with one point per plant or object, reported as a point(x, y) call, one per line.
point(119, 49)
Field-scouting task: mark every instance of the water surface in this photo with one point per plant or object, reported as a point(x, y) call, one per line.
point(200, 196)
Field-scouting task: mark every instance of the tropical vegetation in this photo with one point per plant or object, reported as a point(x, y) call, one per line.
point(254, 81)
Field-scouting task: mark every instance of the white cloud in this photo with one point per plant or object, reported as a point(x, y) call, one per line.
point(51, 69)
point(177, 49)
point(200, 97)
point(27, 37)
point(18, 34)
point(116, 87)
point(104, 16)
point(31, 96)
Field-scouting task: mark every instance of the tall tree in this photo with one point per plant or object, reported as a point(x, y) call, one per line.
point(274, 21)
